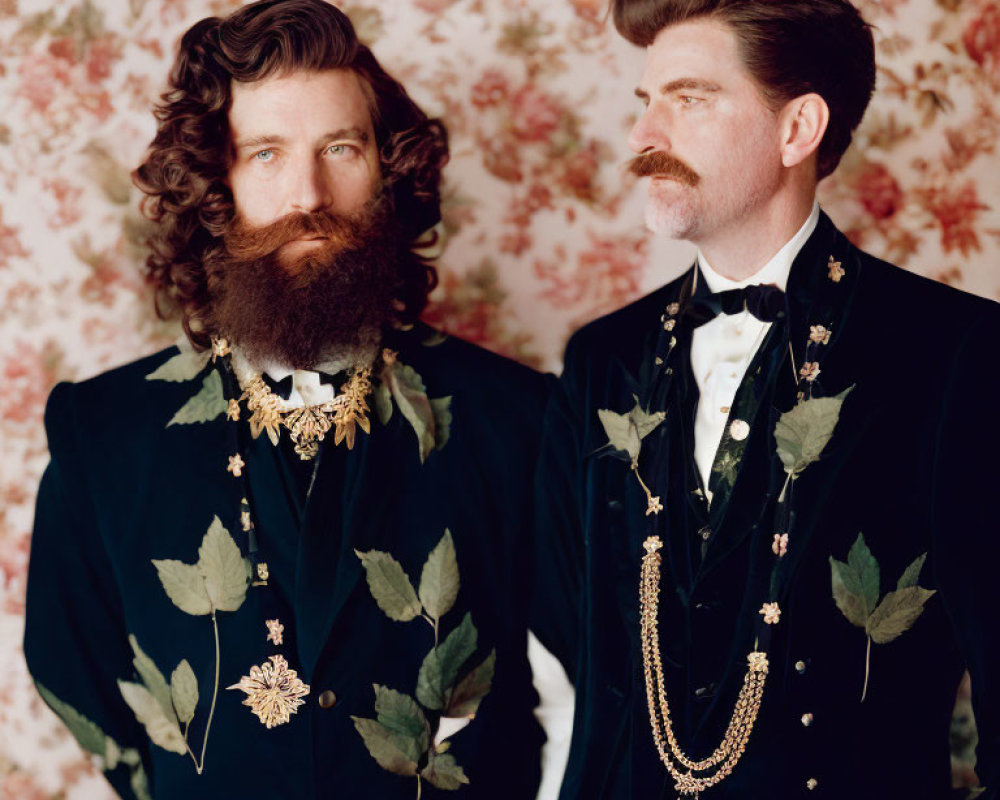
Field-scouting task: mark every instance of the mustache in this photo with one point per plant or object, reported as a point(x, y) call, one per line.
point(663, 165)
point(341, 232)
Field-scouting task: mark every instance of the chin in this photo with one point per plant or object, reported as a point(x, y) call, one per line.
point(675, 219)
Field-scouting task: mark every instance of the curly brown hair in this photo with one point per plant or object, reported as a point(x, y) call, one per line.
point(184, 171)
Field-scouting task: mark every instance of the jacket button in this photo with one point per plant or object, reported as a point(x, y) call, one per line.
point(705, 691)
point(615, 505)
point(327, 699)
point(800, 667)
point(807, 720)
point(811, 784)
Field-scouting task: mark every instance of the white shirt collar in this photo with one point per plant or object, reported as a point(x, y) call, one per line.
point(774, 272)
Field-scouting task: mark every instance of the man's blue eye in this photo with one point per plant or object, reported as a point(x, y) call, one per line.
point(264, 155)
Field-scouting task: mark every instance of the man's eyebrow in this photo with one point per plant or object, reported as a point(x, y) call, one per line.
point(691, 84)
point(271, 139)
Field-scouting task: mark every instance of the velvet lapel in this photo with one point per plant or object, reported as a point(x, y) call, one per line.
point(346, 511)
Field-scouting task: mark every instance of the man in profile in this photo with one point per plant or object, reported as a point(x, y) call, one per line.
point(285, 559)
point(766, 488)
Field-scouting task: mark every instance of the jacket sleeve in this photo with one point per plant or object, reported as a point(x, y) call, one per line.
point(75, 640)
point(966, 528)
point(557, 596)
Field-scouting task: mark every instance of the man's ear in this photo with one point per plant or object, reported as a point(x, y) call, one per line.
point(803, 123)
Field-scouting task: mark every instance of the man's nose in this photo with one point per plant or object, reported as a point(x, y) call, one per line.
point(649, 133)
point(312, 188)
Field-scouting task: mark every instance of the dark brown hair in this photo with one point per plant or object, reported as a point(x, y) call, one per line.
point(184, 172)
point(789, 47)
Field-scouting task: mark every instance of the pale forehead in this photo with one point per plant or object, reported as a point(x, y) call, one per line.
point(701, 49)
point(325, 98)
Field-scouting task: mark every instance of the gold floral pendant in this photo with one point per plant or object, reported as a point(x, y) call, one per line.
point(274, 692)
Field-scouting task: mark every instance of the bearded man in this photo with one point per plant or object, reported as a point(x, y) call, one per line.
point(765, 488)
point(282, 560)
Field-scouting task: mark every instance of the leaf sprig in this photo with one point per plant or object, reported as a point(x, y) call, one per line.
point(216, 582)
point(856, 588)
point(400, 738)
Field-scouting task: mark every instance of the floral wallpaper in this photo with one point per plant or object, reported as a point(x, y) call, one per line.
point(544, 227)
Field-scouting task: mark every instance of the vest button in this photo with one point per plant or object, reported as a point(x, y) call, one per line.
point(327, 699)
point(800, 667)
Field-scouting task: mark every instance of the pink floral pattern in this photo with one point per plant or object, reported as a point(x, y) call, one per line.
point(543, 226)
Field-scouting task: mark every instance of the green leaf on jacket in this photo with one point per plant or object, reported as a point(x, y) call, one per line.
point(443, 772)
point(89, 735)
point(442, 664)
point(184, 585)
point(184, 691)
point(384, 747)
point(856, 592)
point(896, 613)
point(221, 565)
point(625, 432)
point(865, 567)
point(439, 581)
point(151, 677)
point(390, 585)
point(464, 700)
point(185, 366)
point(803, 432)
point(441, 406)
point(161, 728)
point(205, 406)
point(400, 714)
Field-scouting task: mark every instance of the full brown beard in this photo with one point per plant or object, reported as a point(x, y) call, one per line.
point(663, 165)
point(296, 311)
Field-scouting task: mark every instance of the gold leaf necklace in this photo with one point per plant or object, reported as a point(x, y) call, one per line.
point(308, 425)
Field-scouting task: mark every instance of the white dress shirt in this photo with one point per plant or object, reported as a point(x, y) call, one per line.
point(722, 349)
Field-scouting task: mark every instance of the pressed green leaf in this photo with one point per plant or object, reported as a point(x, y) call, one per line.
point(151, 677)
point(897, 612)
point(441, 666)
point(621, 432)
point(408, 391)
point(441, 406)
point(185, 366)
point(112, 753)
point(184, 585)
point(399, 712)
point(139, 783)
point(401, 715)
point(383, 747)
point(439, 580)
point(803, 432)
point(911, 575)
point(184, 691)
point(205, 406)
point(434, 338)
point(89, 735)
point(161, 729)
point(465, 699)
point(645, 423)
point(443, 772)
point(864, 565)
point(847, 593)
point(390, 585)
point(383, 403)
point(222, 567)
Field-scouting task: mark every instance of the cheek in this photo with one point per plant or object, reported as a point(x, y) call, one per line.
point(257, 205)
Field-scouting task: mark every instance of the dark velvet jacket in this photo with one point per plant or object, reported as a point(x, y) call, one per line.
point(911, 465)
point(122, 489)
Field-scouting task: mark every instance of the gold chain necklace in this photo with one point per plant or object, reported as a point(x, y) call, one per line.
point(308, 425)
point(682, 769)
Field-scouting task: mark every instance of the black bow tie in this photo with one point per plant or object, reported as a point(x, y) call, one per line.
point(765, 302)
point(283, 388)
